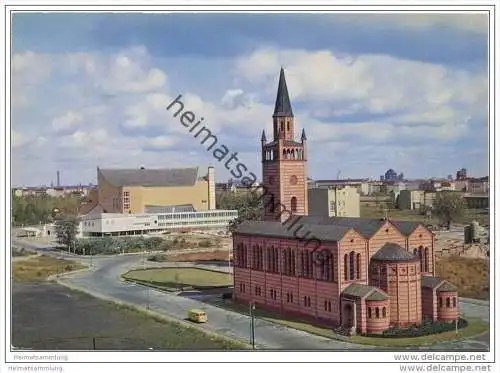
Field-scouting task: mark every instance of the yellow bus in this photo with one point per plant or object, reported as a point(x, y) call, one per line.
point(197, 315)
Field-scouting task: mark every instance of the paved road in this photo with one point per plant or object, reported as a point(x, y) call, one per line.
point(103, 280)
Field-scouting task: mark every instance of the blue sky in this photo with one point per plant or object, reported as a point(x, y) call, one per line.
point(373, 92)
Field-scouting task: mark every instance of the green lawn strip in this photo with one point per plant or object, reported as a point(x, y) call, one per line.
point(177, 278)
point(475, 327)
point(270, 316)
point(179, 334)
point(153, 284)
point(188, 330)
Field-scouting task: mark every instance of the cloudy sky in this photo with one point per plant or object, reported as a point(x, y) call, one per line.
point(373, 92)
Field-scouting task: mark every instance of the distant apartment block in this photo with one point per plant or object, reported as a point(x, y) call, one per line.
point(62, 191)
point(473, 185)
point(362, 185)
point(333, 202)
point(462, 174)
point(415, 199)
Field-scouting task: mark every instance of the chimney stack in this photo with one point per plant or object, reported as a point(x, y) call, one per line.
point(58, 182)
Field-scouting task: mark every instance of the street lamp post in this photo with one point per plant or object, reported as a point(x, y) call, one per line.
point(252, 325)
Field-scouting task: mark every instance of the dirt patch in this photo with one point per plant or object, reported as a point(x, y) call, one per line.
point(37, 269)
point(470, 275)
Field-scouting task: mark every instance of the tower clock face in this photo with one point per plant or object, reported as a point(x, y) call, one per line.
point(293, 180)
point(270, 180)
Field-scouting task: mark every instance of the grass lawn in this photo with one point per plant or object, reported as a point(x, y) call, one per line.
point(475, 327)
point(69, 320)
point(470, 275)
point(218, 255)
point(21, 252)
point(175, 278)
point(39, 268)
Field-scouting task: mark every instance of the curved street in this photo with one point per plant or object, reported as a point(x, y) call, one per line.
point(103, 280)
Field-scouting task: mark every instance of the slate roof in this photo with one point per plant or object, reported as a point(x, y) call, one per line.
point(366, 227)
point(361, 291)
point(151, 177)
point(278, 229)
point(282, 108)
point(394, 253)
point(437, 283)
point(430, 282)
point(377, 295)
point(447, 286)
point(322, 224)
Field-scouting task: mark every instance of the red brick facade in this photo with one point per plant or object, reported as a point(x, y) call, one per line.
point(361, 274)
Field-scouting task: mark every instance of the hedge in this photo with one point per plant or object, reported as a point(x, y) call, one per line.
point(426, 328)
point(113, 245)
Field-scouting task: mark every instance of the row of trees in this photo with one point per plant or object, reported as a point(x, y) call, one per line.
point(34, 210)
point(249, 204)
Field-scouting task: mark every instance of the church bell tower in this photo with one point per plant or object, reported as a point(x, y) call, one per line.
point(284, 175)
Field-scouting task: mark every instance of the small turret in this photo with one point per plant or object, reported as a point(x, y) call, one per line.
point(303, 136)
point(263, 139)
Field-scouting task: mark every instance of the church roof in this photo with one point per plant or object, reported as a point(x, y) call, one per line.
point(431, 282)
point(366, 227)
point(150, 177)
point(393, 252)
point(320, 225)
point(361, 291)
point(282, 108)
point(278, 229)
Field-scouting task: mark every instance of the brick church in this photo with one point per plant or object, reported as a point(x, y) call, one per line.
point(360, 276)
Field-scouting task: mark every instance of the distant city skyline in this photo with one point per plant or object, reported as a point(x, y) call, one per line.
point(372, 92)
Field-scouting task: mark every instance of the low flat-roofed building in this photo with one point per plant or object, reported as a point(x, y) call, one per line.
point(115, 224)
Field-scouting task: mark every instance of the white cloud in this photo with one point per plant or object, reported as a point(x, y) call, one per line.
point(440, 97)
point(68, 121)
point(110, 110)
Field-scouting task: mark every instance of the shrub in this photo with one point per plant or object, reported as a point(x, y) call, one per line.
point(205, 242)
point(426, 328)
point(157, 258)
point(110, 245)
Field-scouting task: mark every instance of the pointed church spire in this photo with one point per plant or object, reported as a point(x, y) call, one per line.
point(303, 136)
point(282, 108)
point(263, 137)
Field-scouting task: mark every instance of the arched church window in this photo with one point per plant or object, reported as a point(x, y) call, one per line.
point(346, 267)
point(293, 204)
point(351, 265)
point(358, 266)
